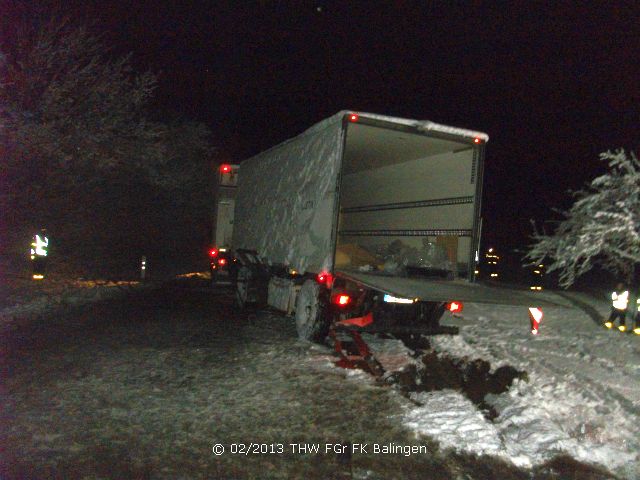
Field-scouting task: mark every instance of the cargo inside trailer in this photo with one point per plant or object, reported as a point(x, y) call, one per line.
point(407, 202)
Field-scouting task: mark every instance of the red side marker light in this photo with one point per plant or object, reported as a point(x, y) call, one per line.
point(325, 278)
point(455, 307)
point(354, 117)
point(224, 168)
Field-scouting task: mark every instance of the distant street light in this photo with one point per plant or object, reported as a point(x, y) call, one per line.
point(143, 267)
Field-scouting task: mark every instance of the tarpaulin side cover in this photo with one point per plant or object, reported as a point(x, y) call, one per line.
point(286, 197)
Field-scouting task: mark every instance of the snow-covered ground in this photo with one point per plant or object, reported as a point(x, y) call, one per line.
point(582, 395)
point(143, 389)
point(32, 299)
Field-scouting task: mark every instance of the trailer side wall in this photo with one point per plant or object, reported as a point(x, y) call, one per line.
point(285, 205)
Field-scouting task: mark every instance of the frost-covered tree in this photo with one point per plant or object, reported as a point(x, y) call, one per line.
point(602, 228)
point(69, 105)
point(80, 154)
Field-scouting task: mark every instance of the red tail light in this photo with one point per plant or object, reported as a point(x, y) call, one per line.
point(325, 278)
point(213, 252)
point(477, 140)
point(222, 261)
point(354, 117)
point(341, 299)
point(455, 307)
point(224, 168)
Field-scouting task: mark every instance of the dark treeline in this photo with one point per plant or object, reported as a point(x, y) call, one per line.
point(83, 155)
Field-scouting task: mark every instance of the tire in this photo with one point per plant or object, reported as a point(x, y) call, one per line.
point(311, 320)
point(242, 287)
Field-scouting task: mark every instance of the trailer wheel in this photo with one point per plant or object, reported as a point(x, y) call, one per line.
point(311, 319)
point(242, 287)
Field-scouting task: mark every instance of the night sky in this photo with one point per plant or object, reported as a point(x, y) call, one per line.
point(553, 84)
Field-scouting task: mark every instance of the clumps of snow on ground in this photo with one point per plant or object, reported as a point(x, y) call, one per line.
point(582, 397)
point(447, 416)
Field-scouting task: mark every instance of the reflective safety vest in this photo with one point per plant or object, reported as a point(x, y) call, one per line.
point(620, 301)
point(39, 246)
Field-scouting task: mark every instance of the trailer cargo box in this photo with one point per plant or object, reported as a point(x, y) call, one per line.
point(358, 183)
point(364, 208)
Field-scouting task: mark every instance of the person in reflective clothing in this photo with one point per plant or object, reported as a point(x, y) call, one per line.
point(39, 252)
point(620, 302)
point(636, 318)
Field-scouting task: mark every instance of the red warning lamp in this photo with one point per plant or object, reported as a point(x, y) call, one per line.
point(354, 117)
point(455, 307)
point(225, 168)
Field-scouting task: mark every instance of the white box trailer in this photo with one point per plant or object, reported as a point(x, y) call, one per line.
point(384, 211)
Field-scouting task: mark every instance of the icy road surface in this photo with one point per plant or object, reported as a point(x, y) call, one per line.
point(145, 387)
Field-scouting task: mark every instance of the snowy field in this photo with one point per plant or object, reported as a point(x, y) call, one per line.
point(142, 387)
point(581, 398)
